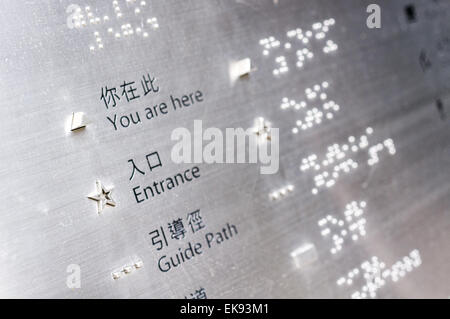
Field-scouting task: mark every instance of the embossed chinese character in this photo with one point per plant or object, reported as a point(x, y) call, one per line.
point(156, 238)
point(195, 221)
point(153, 160)
point(128, 90)
point(177, 229)
point(135, 168)
point(148, 84)
point(109, 97)
point(198, 294)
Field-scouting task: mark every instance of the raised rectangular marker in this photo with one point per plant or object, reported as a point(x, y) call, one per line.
point(304, 255)
point(240, 69)
point(78, 121)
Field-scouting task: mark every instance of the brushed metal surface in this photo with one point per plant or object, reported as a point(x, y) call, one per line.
point(389, 79)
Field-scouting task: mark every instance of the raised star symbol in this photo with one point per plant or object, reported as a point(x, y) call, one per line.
point(102, 197)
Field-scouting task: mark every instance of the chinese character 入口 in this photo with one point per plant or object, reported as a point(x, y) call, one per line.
point(177, 229)
point(135, 168)
point(156, 162)
point(195, 221)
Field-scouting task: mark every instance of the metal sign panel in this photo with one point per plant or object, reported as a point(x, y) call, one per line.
point(94, 206)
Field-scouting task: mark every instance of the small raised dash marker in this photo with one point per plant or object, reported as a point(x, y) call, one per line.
point(127, 269)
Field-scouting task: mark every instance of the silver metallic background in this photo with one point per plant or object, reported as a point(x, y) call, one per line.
point(46, 222)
